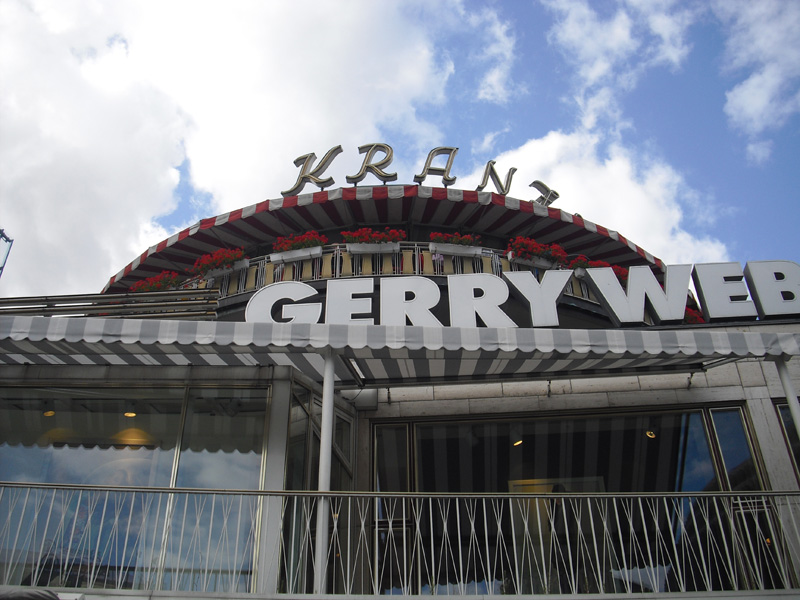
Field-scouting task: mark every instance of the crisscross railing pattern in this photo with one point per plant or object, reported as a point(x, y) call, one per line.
point(407, 544)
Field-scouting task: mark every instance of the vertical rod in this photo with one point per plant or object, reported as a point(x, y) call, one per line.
point(788, 389)
point(325, 451)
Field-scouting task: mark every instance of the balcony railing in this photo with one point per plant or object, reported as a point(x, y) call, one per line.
point(264, 543)
point(414, 258)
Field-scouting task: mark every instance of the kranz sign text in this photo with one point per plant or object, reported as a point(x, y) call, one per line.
point(314, 175)
point(765, 289)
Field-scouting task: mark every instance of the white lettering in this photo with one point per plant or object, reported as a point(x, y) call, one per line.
point(774, 286)
point(541, 298)
point(478, 295)
point(259, 308)
point(722, 291)
point(396, 306)
point(341, 305)
point(627, 308)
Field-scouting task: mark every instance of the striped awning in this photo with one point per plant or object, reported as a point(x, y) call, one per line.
point(484, 212)
point(377, 355)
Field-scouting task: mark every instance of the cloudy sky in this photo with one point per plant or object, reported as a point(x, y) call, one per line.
point(675, 123)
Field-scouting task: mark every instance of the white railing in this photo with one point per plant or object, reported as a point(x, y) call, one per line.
point(260, 543)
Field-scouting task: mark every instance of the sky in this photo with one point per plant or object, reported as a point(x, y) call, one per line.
point(675, 123)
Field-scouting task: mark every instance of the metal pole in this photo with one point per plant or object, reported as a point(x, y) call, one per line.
point(325, 451)
point(788, 390)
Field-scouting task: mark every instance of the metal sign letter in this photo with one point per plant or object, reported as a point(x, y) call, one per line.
point(309, 176)
point(374, 168)
point(443, 171)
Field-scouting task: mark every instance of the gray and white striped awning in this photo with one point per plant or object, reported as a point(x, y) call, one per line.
point(377, 355)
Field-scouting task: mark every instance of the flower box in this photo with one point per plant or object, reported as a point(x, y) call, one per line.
point(536, 262)
point(376, 248)
point(455, 249)
point(239, 264)
point(295, 255)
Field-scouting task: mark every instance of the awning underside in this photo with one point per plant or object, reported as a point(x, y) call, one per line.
point(376, 355)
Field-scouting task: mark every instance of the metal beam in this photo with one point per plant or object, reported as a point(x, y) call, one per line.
point(325, 453)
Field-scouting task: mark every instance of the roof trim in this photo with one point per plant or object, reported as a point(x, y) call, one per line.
point(264, 221)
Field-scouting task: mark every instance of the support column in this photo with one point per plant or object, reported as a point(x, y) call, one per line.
point(325, 452)
point(788, 390)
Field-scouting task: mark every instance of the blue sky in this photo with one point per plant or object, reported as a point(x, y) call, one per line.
point(675, 123)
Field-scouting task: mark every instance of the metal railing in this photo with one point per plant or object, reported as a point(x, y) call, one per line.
point(408, 544)
point(413, 258)
point(194, 304)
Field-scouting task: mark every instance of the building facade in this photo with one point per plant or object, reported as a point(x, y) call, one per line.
point(451, 412)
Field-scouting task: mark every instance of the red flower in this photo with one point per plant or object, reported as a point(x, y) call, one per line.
point(467, 239)
point(158, 283)
point(528, 249)
point(620, 272)
point(220, 259)
point(692, 316)
point(309, 239)
point(366, 235)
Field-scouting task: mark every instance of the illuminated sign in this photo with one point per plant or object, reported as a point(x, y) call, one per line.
point(765, 289)
point(314, 174)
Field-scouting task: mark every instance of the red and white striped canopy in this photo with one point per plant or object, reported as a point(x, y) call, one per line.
point(485, 213)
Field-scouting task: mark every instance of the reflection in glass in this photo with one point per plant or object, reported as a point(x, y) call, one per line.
point(223, 439)
point(297, 444)
point(791, 432)
point(740, 469)
point(87, 440)
point(666, 452)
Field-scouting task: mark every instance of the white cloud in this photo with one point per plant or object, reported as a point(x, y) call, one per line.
point(640, 198)
point(102, 101)
point(487, 142)
point(610, 53)
point(498, 49)
point(763, 41)
point(759, 152)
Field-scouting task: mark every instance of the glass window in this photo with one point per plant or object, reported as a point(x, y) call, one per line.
point(666, 452)
point(391, 458)
point(297, 445)
point(223, 439)
point(737, 458)
point(82, 436)
point(790, 430)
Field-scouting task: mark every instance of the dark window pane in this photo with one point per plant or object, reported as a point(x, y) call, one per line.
point(791, 432)
point(662, 452)
point(735, 448)
point(391, 451)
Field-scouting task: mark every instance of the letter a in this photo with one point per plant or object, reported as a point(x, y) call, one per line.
point(309, 176)
point(443, 171)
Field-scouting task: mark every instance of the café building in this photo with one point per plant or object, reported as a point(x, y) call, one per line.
point(405, 390)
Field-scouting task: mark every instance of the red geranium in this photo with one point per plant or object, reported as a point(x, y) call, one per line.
point(309, 239)
point(367, 235)
point(163, 281)
point(620, 272)
point(528, 249)
point(221, 259)
point(692, 316)
point(467, 239)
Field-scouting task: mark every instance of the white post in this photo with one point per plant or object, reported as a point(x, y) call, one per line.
point(788, 390)
point(325, 451)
